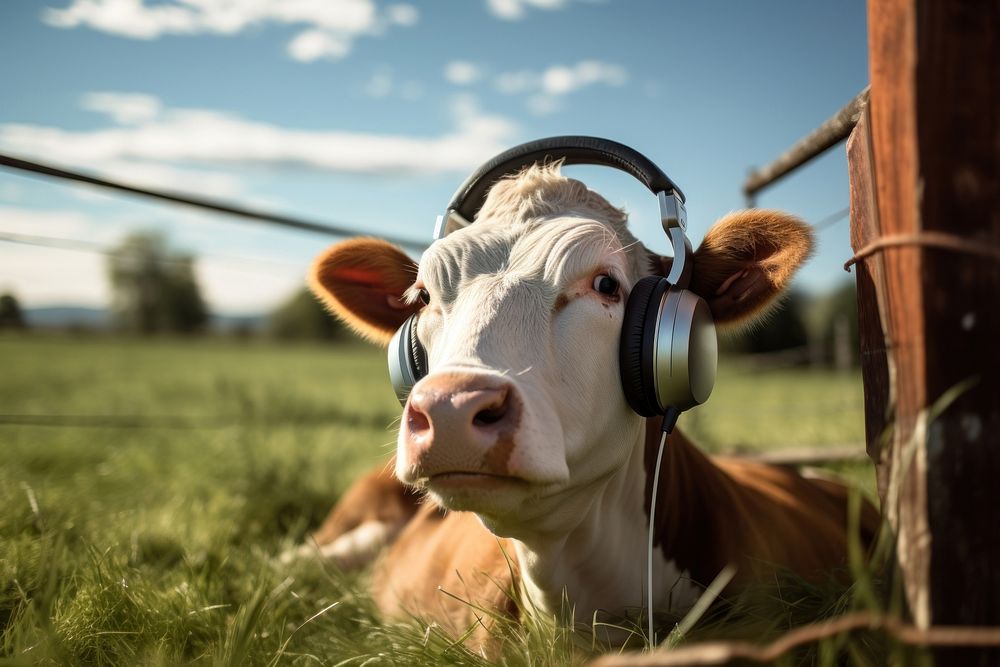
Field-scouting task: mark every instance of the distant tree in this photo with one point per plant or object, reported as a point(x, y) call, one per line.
point(153, 289)
point(186, 308)
point(839, 334)
point(11, 315)
point(303, 318)
point(783, 329)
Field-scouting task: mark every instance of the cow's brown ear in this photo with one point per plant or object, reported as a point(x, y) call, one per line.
point(746, 260)
point(362, 282)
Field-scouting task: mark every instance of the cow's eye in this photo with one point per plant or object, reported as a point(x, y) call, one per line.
point(605, 284)
point(424, 296)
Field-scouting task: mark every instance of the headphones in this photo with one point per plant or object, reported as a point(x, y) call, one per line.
point(668, 351)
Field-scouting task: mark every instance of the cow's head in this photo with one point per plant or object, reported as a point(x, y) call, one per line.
point(520, 314)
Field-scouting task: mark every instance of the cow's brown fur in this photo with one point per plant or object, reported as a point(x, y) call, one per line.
point(447, 568)
point(715, 511)
point(378, 496)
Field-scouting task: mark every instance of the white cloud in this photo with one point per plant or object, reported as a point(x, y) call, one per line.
point(462, 72)
point(51, 275)
point(167, 177)
point(547, 87)
point(123, 108)
point(136, 19)
point(513, 10)
point(129, 18)
point(310, 45)
point(253, 292)
point(404, 15)
point(330, 26)
point(235, 283)
point(383, 84)
point(543, 105)
point(41, 276)
point(126, 109)
point(559, 80)
point(512, 83)
point(380, 84)
point(205, 182)
point(200, 136)
point(74, 224)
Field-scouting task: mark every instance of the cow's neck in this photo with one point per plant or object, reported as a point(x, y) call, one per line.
point(596, 561)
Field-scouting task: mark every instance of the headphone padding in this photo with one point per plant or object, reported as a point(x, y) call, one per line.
point(418, 355)
point(635, 362)
point(407, 359)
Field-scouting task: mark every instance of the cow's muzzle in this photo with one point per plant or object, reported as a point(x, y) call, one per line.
point(460, 422)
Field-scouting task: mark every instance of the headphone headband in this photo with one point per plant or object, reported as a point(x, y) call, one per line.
point(469, 198)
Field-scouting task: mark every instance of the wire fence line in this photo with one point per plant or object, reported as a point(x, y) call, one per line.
point(787, 454)
point(192, 422)
point(832, 219)
point(117, 421)
point(331, 229)
point(80, 245)
point(201, 421)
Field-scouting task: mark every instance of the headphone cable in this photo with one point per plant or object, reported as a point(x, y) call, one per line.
point(649, 552)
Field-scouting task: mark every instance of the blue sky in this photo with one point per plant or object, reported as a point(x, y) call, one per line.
point(371, 113)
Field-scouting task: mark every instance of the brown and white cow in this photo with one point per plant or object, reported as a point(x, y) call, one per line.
point(534, 473)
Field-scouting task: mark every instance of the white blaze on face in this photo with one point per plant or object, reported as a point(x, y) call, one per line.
point(522, 399)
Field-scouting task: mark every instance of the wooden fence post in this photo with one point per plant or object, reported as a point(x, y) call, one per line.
point(925, 171)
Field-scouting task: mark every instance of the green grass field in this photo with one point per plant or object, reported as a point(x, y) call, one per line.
point(147, 487)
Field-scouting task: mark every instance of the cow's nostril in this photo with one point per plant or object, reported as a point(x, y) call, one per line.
point(490, 415)
point(416, 420)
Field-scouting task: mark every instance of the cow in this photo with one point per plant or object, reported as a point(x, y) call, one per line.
point(519, 465)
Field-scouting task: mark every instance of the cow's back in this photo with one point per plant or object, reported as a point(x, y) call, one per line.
point(717, 511)
point(793, 522)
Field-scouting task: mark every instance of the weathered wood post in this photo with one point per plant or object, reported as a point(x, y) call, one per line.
point(925, 190)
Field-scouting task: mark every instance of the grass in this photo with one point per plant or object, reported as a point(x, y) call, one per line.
point(150, 536)
point(778, 408)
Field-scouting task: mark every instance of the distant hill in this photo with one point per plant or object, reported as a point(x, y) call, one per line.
point(62, 317)
point(230, 322)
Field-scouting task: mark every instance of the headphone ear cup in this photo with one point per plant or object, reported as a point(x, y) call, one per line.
point(686, 351)
point(407, 359)
point(635, 349)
